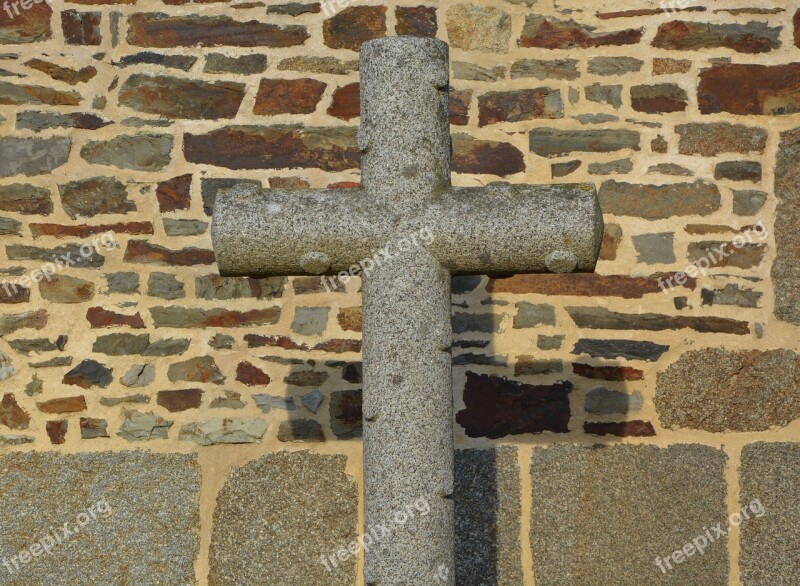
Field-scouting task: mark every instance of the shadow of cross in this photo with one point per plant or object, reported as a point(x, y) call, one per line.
point(405, 148)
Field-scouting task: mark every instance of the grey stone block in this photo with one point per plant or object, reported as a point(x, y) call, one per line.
point(770, 543)
point(276, 517)
point(487, 514)
point(150, 536)
point(310, 321)
point(602, 514)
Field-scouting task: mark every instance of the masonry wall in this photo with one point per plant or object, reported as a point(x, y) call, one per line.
point(602, 421)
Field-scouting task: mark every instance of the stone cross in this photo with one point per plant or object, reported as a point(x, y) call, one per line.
point(405, 147)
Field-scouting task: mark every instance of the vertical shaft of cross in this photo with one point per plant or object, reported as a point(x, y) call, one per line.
point(408, 431)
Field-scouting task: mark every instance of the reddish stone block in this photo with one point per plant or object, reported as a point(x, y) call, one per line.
point(180, 400)
point(81, 28)
point(257, 341)
point(753, 37)
point(27, 26)
point(515, 106)
point(57, 431)
point(353, 26)
point(145, 252)
point(459, 106)
point(609, 373)
point(339, 346)
point(471, 155)
point(288, 96)
point(346, 102)
point(750, 89)
point(104, 318)
point(174, 97)
point(251, 375)
point(63, 405)
point(11, 414)
point(585, 285)
point(659, 98)
point(86, 231)
point(636, 428)
point(350, 319)
point(65, 74)
point(174, 194)
point(418, 21)
point(550, 33)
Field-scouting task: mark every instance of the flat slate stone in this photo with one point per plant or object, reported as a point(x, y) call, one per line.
point(149, 537)
point(275, 518)
point(770, 541)
point(602, 514)
point(487, 513)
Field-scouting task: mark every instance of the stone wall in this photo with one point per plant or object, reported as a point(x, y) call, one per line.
point(602, 420)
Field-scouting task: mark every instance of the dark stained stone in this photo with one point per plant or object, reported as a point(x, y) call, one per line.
point(592, 487)
point(635, 428)
point(753, 37)
point(544, 342)
point(604, 319)
point(121, 344)
point(659, 144)
point(476, 322)
point(95, 195)
point(648, 11)
point(346, 415)
point(173, 97)
point(275, 147)
point(603, 401)
point(33, 156)
point(25, 199)
point(38, 345)
point(659, 98)
point(294, 8)
point(786, 267)
point(519, 105)
point(710, 140)
point(288, 96)
point(192, 317)
point(669, 169)
point(614, 65)
point(11, 322)
point(174, 194)
point(86, 231)
point(530, 315)
point(589, 284)
point(81, 28)
point(459, 106)
point(750, 89)
point(124, 283)
point(180, 400)
point(11, 414)
point(545, 69)
point(464, 284)
point(35, 94)
point(65, 74)
point(57, 431)
point(655, 202)
point(143, 251)
point(419, 21)
point(731, 294)
point(338, 346)
point(15, 293)
point(57, 361)
point(92, 428)
point(769, 477)
point(165, 286)
point(746, 257)
point(487, 516)
point(609, 373)
point(628, 349)
point(224, 288)
point(63, 405)
point(307, 285)
point(182, 62)
point(706, 389)
point(564, 169)
point(346, 102)
point(353, 26)
point(311, 64)
point(38, 121)
point(471, 155)
point(68, 251)
point(164, 31)
point(66, 289)
point(496, 407)
point(288, 183)
point(271, 540)
point(300, 430)
point(10, 227)
point(306, 378)
point(550, 33)
point(30, 26)
point(251, 375)
point(748, 202)
point(140, 152)
point(738, 171)
point(209, 188)
point(202, 369)
point(551, 142)
point(245, 65)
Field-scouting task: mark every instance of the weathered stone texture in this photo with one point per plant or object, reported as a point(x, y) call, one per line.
point(582, 497)
point(258, 538)
point(786, 268)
